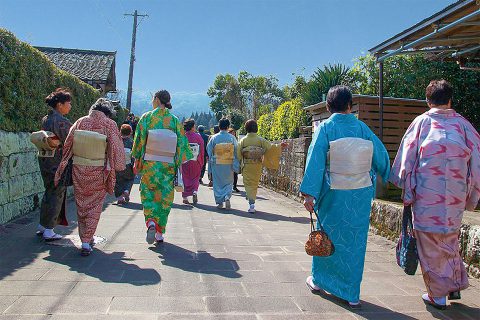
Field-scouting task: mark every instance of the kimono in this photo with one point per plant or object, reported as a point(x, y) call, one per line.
point(52, 208)
point(192, 170)
point(222, 174)
point(157, 182)
point(344, 214)
point(125, 178)
point(92, 183)
point(438, 168)
point(251, 168)
point(205, 141)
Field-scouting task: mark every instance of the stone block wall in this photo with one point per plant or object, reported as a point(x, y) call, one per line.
point(386, 220)
point(288, 177)
point(21, 185)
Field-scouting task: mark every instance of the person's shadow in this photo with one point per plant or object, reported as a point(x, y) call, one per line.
point(257, 215)
point(106, 267)
point(367, 310)
point(199, 262)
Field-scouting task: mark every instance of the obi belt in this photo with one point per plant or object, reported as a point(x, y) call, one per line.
point(252, 154)
point(350, 163)
point(224, 153)
point(46, 142)
point(195, 147)
point(89, 148)
point(161, 145)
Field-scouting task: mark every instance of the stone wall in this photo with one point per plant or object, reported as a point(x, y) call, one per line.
point(386, 220)
point(21, 185)
point(287, 178)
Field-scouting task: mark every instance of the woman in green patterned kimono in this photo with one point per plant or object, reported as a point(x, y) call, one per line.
point(158, 172)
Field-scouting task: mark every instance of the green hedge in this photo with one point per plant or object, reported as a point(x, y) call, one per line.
point(26, 77)
point(283, 123)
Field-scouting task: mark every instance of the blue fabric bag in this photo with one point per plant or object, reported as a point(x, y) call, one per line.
point(407, 255)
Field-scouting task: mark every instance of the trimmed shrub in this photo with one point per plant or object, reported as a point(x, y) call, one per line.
point(27, 76)
point(284, 123)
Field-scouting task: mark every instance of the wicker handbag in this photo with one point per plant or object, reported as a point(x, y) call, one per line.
point(318, 243)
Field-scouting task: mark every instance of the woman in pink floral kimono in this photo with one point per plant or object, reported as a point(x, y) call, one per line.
point(92, 176)
point(191, 170)
point(438, 168)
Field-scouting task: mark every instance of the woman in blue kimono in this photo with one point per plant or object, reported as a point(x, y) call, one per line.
point(222, 163)
point(339, 184)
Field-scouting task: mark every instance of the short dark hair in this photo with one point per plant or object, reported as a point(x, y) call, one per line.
point(60, 95)
point(125, 129)
point(251, 126)
point(439, 92)
point(223, 124)
point(189, 124)
point(216, 129)
point(339, 98)
point(164, 97)
point(201, 128)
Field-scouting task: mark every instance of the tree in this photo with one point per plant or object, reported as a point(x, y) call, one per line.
point(245, 94)
point(322, 80)
point(408, 76)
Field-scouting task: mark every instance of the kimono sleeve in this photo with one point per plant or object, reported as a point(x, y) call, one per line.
point(473, 182)
point(239, 150)
point(140, 141)
point(67, 152)
point(115, 150)
point(381, 159)
point(210, 147)
point(405, 161)
point(316, 165)
point(184, 153)
point(266, 144)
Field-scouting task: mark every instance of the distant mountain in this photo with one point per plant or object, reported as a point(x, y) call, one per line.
point(183, 103)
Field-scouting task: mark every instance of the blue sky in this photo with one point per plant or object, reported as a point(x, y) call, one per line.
point(184, 44)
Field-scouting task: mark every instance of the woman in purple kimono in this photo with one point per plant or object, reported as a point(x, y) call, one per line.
point(438, 168)
point(191, 170)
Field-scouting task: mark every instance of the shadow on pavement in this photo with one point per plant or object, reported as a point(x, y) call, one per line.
point(368, 310)
point(258, 215)
point(198, 262)
point(106, 267)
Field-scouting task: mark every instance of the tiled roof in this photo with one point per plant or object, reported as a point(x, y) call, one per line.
point(85, 64)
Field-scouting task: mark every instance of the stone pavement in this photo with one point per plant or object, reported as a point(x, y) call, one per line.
point(215, 264)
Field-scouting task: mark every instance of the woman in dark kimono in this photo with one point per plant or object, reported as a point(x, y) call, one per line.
point(52, 208)
point(125, 178)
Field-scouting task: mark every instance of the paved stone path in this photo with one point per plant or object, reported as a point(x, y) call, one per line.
point(215, 264)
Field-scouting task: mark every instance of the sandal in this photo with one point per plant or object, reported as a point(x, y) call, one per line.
point(454, 295)
point(430, 301)
point(54, 237)
point(84, 252)
point(150, 237)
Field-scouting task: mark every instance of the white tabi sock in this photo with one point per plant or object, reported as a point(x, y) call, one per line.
point(48, 233)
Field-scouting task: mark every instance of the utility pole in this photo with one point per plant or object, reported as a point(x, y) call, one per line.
point(132, 56)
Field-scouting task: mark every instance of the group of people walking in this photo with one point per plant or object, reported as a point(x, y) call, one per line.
point(437, 166)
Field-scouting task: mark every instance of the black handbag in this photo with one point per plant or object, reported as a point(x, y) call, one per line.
point(66, 179)
point(406, 251)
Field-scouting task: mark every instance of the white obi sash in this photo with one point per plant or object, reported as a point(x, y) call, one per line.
point(128, 155)
point(161, 145)
point(350, 163)
point(224, 153)
point(253, 154)
point(46, 142)
point(89, 148)
point(195, 147)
